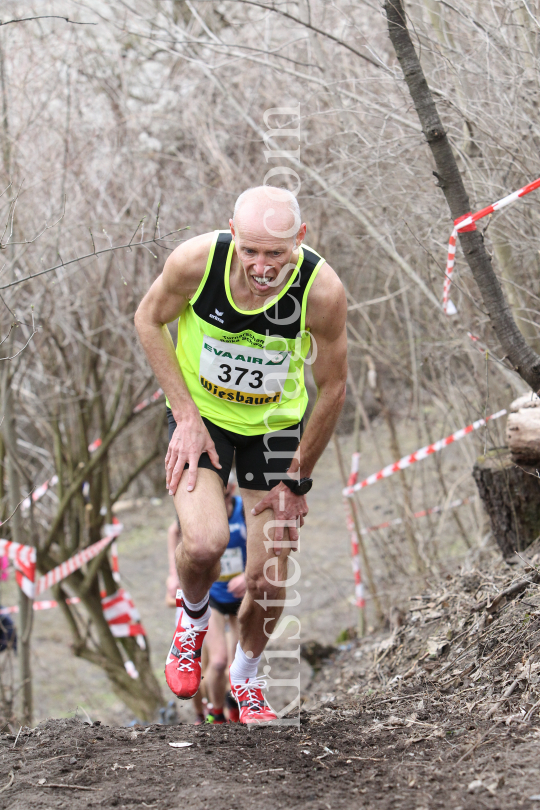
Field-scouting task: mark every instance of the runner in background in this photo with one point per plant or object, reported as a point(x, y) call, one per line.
point(225, 599)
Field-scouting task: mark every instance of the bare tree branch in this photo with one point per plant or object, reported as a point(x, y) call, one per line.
point(130, 245)
point(311, 27)
point(523, 358)
point(46, 17)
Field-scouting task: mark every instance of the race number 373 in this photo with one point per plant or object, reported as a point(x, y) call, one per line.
point(241, 373)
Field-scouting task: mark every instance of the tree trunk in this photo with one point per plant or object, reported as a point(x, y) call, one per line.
point(511, 497)
point(26, 613)
point(524, 360)
point(143, 694)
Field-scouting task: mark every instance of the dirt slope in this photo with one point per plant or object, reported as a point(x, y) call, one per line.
point(440, 712)
point(371, 765)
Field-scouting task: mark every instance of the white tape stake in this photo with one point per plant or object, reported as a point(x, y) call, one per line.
point(355, 554)
point(421, 454)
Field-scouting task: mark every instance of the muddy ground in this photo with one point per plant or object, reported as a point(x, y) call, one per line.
point(410, 717)
point(334, 760)
point(440, 711)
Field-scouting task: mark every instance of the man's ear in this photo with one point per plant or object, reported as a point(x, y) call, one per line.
point(231, 226)
point(301, 234)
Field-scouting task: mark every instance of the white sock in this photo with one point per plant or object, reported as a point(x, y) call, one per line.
point(202, 621)
point(244, 667)
point(195, 606)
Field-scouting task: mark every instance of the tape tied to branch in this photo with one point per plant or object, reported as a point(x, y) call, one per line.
point(118, 608)
point(24, 561)
point(466, 223)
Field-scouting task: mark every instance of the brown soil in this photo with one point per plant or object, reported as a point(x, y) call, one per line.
point(413, 719)
point(371, 765)
point(409, 718)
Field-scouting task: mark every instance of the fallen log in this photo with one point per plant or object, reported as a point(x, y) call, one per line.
point(523, 430)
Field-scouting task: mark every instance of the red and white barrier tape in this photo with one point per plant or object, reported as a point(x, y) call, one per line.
point(476, 339)
point(137, 409)
point(48, 604)
point(148, 401)
point(423, 513)
point(355, 554)
point(44, 604)
point(421, 454)
point(74, 563)
point(122, 616)
point(114, 562)
point(24, 560)
point(120, 611)
point(39, 492)
point(467, 223)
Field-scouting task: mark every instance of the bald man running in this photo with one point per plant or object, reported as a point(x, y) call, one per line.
point(254, 305)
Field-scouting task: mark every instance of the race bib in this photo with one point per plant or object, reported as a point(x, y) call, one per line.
point(232, 564)
point(241, 373)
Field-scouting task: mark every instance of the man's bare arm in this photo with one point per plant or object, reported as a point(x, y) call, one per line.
point(326, 317)
point(165, 301)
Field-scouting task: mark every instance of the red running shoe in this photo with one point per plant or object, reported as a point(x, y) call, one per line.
point(232, 707)
point(215, 718)
point(183, 665)
point(254, 710)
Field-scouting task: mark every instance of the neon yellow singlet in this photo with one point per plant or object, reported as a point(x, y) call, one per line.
point(245, 369)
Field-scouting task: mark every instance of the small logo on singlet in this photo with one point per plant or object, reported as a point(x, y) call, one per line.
point(217, 317)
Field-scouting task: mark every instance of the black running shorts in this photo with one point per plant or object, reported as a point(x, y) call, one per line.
point(261, 461)
point(225, 608)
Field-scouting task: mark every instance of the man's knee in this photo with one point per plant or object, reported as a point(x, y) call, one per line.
point(203, 547)
point(218, 662)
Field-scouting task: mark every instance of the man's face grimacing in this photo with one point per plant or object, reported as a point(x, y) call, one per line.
point(265, 258)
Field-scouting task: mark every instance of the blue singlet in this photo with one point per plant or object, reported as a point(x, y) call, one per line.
point(233, 560)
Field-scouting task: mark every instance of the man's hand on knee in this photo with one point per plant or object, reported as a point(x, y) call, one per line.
point(289, 512)
point(189, 441)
